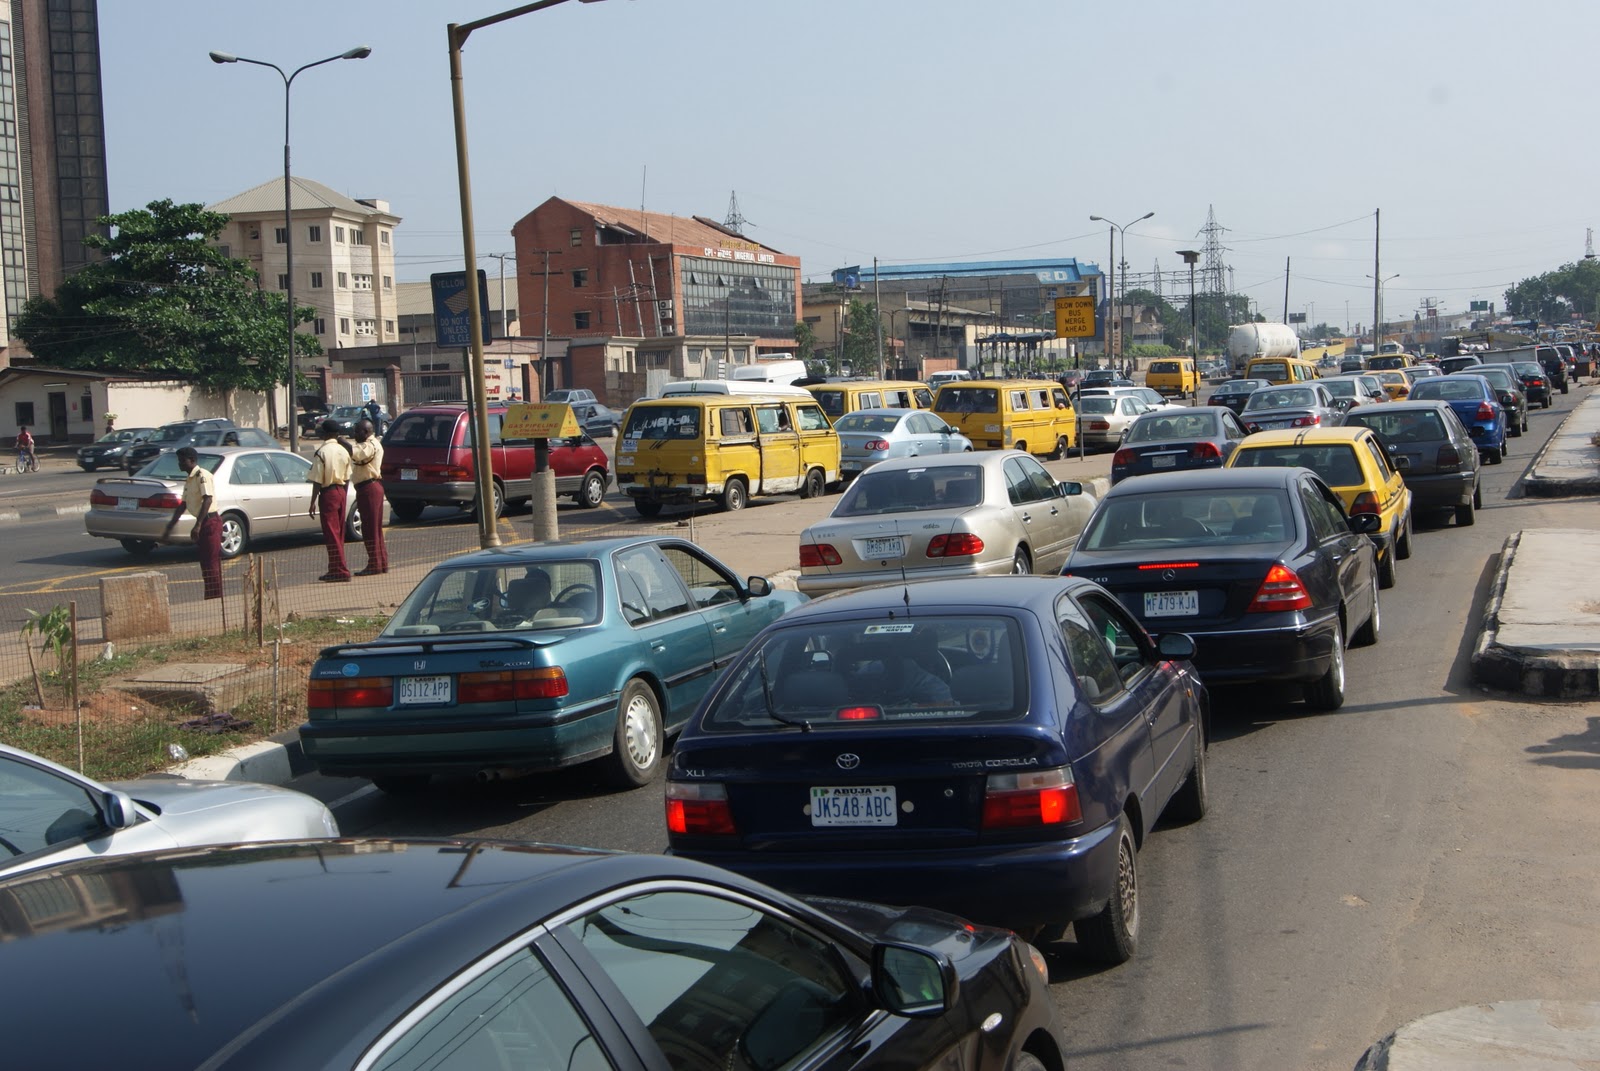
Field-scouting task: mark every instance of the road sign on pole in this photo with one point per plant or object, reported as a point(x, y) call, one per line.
point(450, 326)
point(1075, 317)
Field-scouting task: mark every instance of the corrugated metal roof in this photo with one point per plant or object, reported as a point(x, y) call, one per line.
point(1061, 270)
point(662, 227)
point(305, 194)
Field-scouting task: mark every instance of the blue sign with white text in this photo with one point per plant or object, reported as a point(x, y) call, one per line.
point(450, 322)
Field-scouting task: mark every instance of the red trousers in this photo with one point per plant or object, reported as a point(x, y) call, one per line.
point(369, 503)
point(330, 507)
point(208, 544)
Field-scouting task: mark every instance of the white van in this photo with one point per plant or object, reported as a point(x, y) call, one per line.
point(939, 379)
point(733, 386)
point(779, 371)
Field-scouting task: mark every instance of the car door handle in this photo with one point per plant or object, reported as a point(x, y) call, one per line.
point(1026, 519)
point(719, 628)
point(657, 648)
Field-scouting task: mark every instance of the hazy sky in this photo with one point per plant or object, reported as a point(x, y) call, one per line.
point(916, 130)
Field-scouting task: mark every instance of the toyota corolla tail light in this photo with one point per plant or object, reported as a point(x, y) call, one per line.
point(699, 810)
point(1035, 798)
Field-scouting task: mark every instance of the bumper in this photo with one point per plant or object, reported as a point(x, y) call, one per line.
point(129, 524)
point(1442, 491)
point(1292, 652)
point(822, 583)
point(676, 494)
point(429, 493)
point(1019, 885)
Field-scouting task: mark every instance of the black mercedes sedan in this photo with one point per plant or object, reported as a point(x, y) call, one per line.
point(1235, 392)
point(444, 955)
point(1261, 566)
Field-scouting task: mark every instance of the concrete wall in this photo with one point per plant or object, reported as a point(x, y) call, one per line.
point(84, 400)
point(149, 405)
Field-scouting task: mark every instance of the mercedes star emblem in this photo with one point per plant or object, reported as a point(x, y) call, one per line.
point(1168, 574)
point(848, 761)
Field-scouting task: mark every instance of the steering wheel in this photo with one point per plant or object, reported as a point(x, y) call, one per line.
point(571, 591)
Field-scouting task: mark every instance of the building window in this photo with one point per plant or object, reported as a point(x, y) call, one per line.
point(358, 236)
point(739, 298)
point(283, 281)
point(362, 282)
point(388, 327)
point(344, 325)
point(224, 251)
point(580, 321)
point(24, 414)
point(577, 238)
point(366, 328)
point(314, 233)
point(580, 278)
point(388, 282)
point(338, 235)
point(320, 326)
point(383, 237)
point(280, 235)
point(316, 280)
point(343, 280)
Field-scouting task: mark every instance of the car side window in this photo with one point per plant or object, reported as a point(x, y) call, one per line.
point(1018, 486)
point(252, 470)
point(513, 1015)
point(1058, 397)
point(705, 582)
point(1019, 400)
point(650, 588)
point(1317, 513)
point(1112, 624)
point(870, 399)
point(735, 422)
point(1043, 486)
point(1385, 470)
point(43, 809)
point(291, 468)
point(719, 983)
point(811, 418)
point(1092, 664)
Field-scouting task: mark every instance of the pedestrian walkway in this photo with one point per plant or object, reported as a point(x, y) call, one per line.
point(1569, 464)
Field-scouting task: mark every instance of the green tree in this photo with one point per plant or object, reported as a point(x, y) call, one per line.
point(1174, 325)
point(861, 336)
point(805, 341)
point(1556, 295)
point(164, 301)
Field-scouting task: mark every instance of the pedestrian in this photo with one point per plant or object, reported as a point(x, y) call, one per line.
point(375, 414)
point(111, 423)
point(366, 470)
point(330, 472)
point(199, 495)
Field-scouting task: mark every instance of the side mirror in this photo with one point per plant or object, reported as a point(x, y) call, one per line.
point(917, 983)
point(119, 809)
point(759, 586)
point(1366, 523)
point(1179, 645)
point(947, 430)
point(1068, 488)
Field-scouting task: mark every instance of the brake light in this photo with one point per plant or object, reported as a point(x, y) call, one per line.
point(1123, 456)
point(455, 472)
point(349, 693)
point(875, 444)
point(1205, 451)
point(1448, 457)
point(1100, 425)
point(696, 810)
point(1252, 428)
point(817, 555)
point(1485, 411)
point(1535, 382)
point(161, 501)
point(954, 545)
point(1366, 502)
point(1281, 590)
point(1036, 798)
point(1307, 421)
point(1171, 565)
point(98, 497)
point(859, 714)
point(507, 686)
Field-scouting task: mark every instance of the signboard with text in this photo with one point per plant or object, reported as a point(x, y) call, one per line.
point(450, 321)
point(539, 421)
point(1075, 317)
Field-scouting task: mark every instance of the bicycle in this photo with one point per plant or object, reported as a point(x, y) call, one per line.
point(27, 462)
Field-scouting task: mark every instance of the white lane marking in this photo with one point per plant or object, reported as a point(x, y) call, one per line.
point(350, 797)
point(72, 511)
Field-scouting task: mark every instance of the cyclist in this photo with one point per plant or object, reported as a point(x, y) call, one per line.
point(26, 458)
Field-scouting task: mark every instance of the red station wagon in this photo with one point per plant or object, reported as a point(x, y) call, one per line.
point(428, 461)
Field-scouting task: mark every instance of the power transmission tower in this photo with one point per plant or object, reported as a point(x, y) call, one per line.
point(735, 221)
point(1158, 279)
point(1588, 244)
point(1214, 270)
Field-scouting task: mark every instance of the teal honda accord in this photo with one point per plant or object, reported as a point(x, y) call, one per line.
point(519, 659)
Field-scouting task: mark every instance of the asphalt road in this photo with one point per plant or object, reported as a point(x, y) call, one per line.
point(1427, 846)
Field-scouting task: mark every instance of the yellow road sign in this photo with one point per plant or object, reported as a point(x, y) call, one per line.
point(539, 421)
point(1075, 317)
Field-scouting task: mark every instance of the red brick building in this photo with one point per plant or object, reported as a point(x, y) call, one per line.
point(646, 297)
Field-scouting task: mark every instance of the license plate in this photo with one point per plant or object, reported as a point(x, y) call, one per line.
point(853, 805)
point(127, 503)
point(630, 446)
point(849, 466)
point(408, 474)
point(1171, 603)
point(1272, 425)
point(420, 690)
point(1164, 461)
point(883, 548)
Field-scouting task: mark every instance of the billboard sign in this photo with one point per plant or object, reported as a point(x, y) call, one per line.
point(450, 321)
point(1075, 317)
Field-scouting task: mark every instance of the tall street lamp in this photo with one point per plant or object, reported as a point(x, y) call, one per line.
point(1377, 308)
point(544, 485)
point(360, 52)
point(1114, 338)
point(1190, 256)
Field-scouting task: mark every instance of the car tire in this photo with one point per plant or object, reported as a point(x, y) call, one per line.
point(638, 741)
point(401, 784)
point(235, 535)
point(1564, 388)
point(1367, 635)
point(593, 490)
point(498, 494)
point(1514, 431)
point(1111, 936)
point(734, 495)
point(406, 511)
point(647, 507)
point(1327, 691)
point(1027, 1061)
point(1189, 803)
point(87, 467)
point(1061, 448)
point(1021, 562)
point(139, 548)
point(1402, 547)
point(1477, 496)
point(1386, 572)
point(814, 484)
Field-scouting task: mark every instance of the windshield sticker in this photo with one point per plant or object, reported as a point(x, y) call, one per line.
point(889, 630)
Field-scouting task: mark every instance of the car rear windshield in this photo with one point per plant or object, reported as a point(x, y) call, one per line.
point(1199, 517)
point(165, 466)
point(1406, 426)
point(941, 669)
point(1166, 367)
point(1097, 403)
point(967, 400)
point(1271, 370)
point(1336, 463)
point(1241, 386)
point(1158, 429)
point(1281, 399)
point(875, 423)
point(426, 429)
point(1448, 388)
point(660, 422)
point(1340, 388)
point(171, 433)
point(501, 598)
point(907, 490)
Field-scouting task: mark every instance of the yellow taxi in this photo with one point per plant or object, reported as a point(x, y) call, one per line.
point(1395, 383)
point(1352, 462)
point(1032, 415)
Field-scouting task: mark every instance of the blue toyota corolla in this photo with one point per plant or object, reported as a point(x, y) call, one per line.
point(536, 657)
point(1476, 403)
point(998, 748)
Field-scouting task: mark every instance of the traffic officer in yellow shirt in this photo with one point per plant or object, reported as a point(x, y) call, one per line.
point(330, 472)
point(366, 461)
point(199, 495)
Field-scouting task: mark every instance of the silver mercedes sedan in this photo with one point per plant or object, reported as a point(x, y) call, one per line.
point(869, 436)
point(915, 518)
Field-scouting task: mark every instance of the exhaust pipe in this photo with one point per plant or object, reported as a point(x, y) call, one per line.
point(490, 774)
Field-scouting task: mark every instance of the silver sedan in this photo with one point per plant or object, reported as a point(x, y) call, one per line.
point(915, 518)
point(51, 815)
point(261, 492)
point(869, 436)
point(1104, 419)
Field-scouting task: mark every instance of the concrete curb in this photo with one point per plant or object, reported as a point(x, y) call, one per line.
point(42, 513)
point(1566, 674)
point(1552, 484)
point(1506, 1034)
point(274, 761)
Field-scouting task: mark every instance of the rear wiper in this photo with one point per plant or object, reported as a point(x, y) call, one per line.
point(766, 694)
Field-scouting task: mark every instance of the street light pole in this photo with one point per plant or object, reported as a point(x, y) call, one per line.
point(1190, 256)
point(1115, 337)
point(360, 52)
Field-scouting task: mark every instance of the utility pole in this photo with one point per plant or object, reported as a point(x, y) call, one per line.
point(505, 328)
point(1285, 289)
point(877, 314)
point(1377, 281)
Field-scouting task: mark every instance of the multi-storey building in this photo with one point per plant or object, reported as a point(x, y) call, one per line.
point(343, 257)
